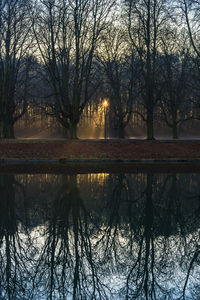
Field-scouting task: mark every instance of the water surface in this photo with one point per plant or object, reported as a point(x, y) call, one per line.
point(100, 236)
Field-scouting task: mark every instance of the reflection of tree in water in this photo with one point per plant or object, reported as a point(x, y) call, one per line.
point(141, 241)
point(131, 237)
point(146, 266)
point(68, 264)
point(13, 259)
point(156, 236)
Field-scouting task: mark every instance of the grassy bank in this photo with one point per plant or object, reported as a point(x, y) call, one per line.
point(99, 150)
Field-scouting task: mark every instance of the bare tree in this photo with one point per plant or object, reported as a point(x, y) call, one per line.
point(67, 33)
point(191, 10)
point(14, 63)
point(68, 263)
point(120, 70)
point(14, 240)
point(145, 20)
point(175, 73)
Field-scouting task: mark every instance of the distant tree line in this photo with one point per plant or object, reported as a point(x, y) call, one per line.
point(60, 55)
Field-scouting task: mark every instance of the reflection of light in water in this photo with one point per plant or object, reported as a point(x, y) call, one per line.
point(137, 137)
point(99, 178)
point(43, 181)
point(37, 178)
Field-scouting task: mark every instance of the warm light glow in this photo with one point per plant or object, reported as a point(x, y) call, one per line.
point(105, 103)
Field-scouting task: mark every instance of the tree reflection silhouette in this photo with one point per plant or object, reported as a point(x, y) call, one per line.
point(134, 237)
point(155, 222)
point(14, 270)
point(67, 261)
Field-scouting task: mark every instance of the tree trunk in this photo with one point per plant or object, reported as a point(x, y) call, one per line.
point(66, 132)
point(148, 232)
point(73, 131)
point(9, 132)
point(6, 131)
point(175, 131)
point(120, 133)
point(149, 77)
point(2, 130)
point(150, 125)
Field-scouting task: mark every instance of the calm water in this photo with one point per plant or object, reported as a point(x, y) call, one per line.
point(100, 236)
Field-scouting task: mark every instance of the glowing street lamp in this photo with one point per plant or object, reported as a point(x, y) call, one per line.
point(105, 105)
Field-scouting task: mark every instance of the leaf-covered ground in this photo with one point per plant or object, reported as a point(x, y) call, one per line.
point(99, 150)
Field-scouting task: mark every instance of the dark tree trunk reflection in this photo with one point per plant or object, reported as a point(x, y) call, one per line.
point(117, 236)
point(14, 270)
point(68, 253)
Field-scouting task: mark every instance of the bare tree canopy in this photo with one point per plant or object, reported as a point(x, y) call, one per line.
point(144, 56)
point(15, 47)
point(67, 33)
